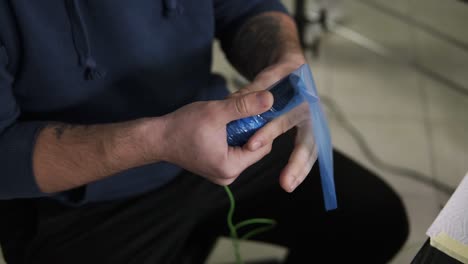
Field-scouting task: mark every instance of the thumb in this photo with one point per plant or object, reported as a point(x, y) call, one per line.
point(246, 105)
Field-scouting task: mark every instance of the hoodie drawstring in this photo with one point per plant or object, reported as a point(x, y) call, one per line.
point(81, 41)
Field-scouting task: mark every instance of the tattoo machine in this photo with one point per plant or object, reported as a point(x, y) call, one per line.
point(296, 88)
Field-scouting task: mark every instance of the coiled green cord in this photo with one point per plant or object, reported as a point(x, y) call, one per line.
point(270, 223)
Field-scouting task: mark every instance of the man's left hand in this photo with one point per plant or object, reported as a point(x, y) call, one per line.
point(304, 154)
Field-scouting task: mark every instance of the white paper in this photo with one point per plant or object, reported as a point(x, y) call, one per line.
point(453, 219)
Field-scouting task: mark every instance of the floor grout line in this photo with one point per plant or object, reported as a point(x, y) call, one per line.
point(426, 111)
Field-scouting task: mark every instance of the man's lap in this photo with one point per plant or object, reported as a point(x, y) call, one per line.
point(183, 218)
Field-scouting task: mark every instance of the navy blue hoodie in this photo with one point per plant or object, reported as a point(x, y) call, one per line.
point(90, 62)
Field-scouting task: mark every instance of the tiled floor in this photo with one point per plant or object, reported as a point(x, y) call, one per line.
point(408, 118)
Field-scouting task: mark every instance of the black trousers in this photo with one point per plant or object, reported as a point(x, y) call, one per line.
point(180, 222)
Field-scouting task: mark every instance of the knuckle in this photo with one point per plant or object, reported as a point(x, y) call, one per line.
point(207, 110)
point(235, 94)
point(211, 106)
point(248, 89)
point(241, 105)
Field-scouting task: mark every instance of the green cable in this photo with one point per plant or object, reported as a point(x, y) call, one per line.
point(233, 228)
point(256, 232)
point(255, 221)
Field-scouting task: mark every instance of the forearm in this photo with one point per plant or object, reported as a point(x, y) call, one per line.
point(68, 156)
point(264, 40)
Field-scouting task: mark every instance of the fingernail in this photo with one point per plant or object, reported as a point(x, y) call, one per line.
point(295, 182)
point(262, 99)
point(256, 145)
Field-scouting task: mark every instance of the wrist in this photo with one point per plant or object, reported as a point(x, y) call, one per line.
point(132, 144)
point(149, 138)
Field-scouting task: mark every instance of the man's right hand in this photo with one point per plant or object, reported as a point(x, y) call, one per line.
point(194, 137)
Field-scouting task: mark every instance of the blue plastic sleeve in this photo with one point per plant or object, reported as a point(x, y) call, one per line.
point(289, 92)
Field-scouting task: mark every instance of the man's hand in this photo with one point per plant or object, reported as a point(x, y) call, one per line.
point(195, 137)
point(304, 154)
point(265, 49)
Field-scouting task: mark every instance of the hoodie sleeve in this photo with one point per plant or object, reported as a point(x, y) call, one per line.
point(231, 14)
point(17, 139)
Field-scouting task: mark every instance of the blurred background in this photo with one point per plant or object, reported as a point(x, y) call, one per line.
point(393, 77)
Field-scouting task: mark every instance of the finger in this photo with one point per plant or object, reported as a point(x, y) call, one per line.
point(300, 162)
point(246, 105)
point(241, 158)
point(245, 90)
point(297, 169)
point(270, 76)
point(264, 80)
point(250, 88)
point(278, 126)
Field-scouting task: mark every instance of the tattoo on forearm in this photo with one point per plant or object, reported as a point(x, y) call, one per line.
point(256, 45)
point(61, 128)
point(260, 42)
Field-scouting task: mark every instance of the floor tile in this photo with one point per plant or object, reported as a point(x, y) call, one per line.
point(407, 253)
point(420, 200)
point(249, 250)
point(451, 150)
point(402, 143)
point(448, 17)
point(366, 84)
point(378, 26)
point(441, 57)
point(400, 6)
point(445, 103)
point(321, 74)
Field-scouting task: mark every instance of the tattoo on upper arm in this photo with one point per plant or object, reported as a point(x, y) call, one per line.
point(257, 44)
